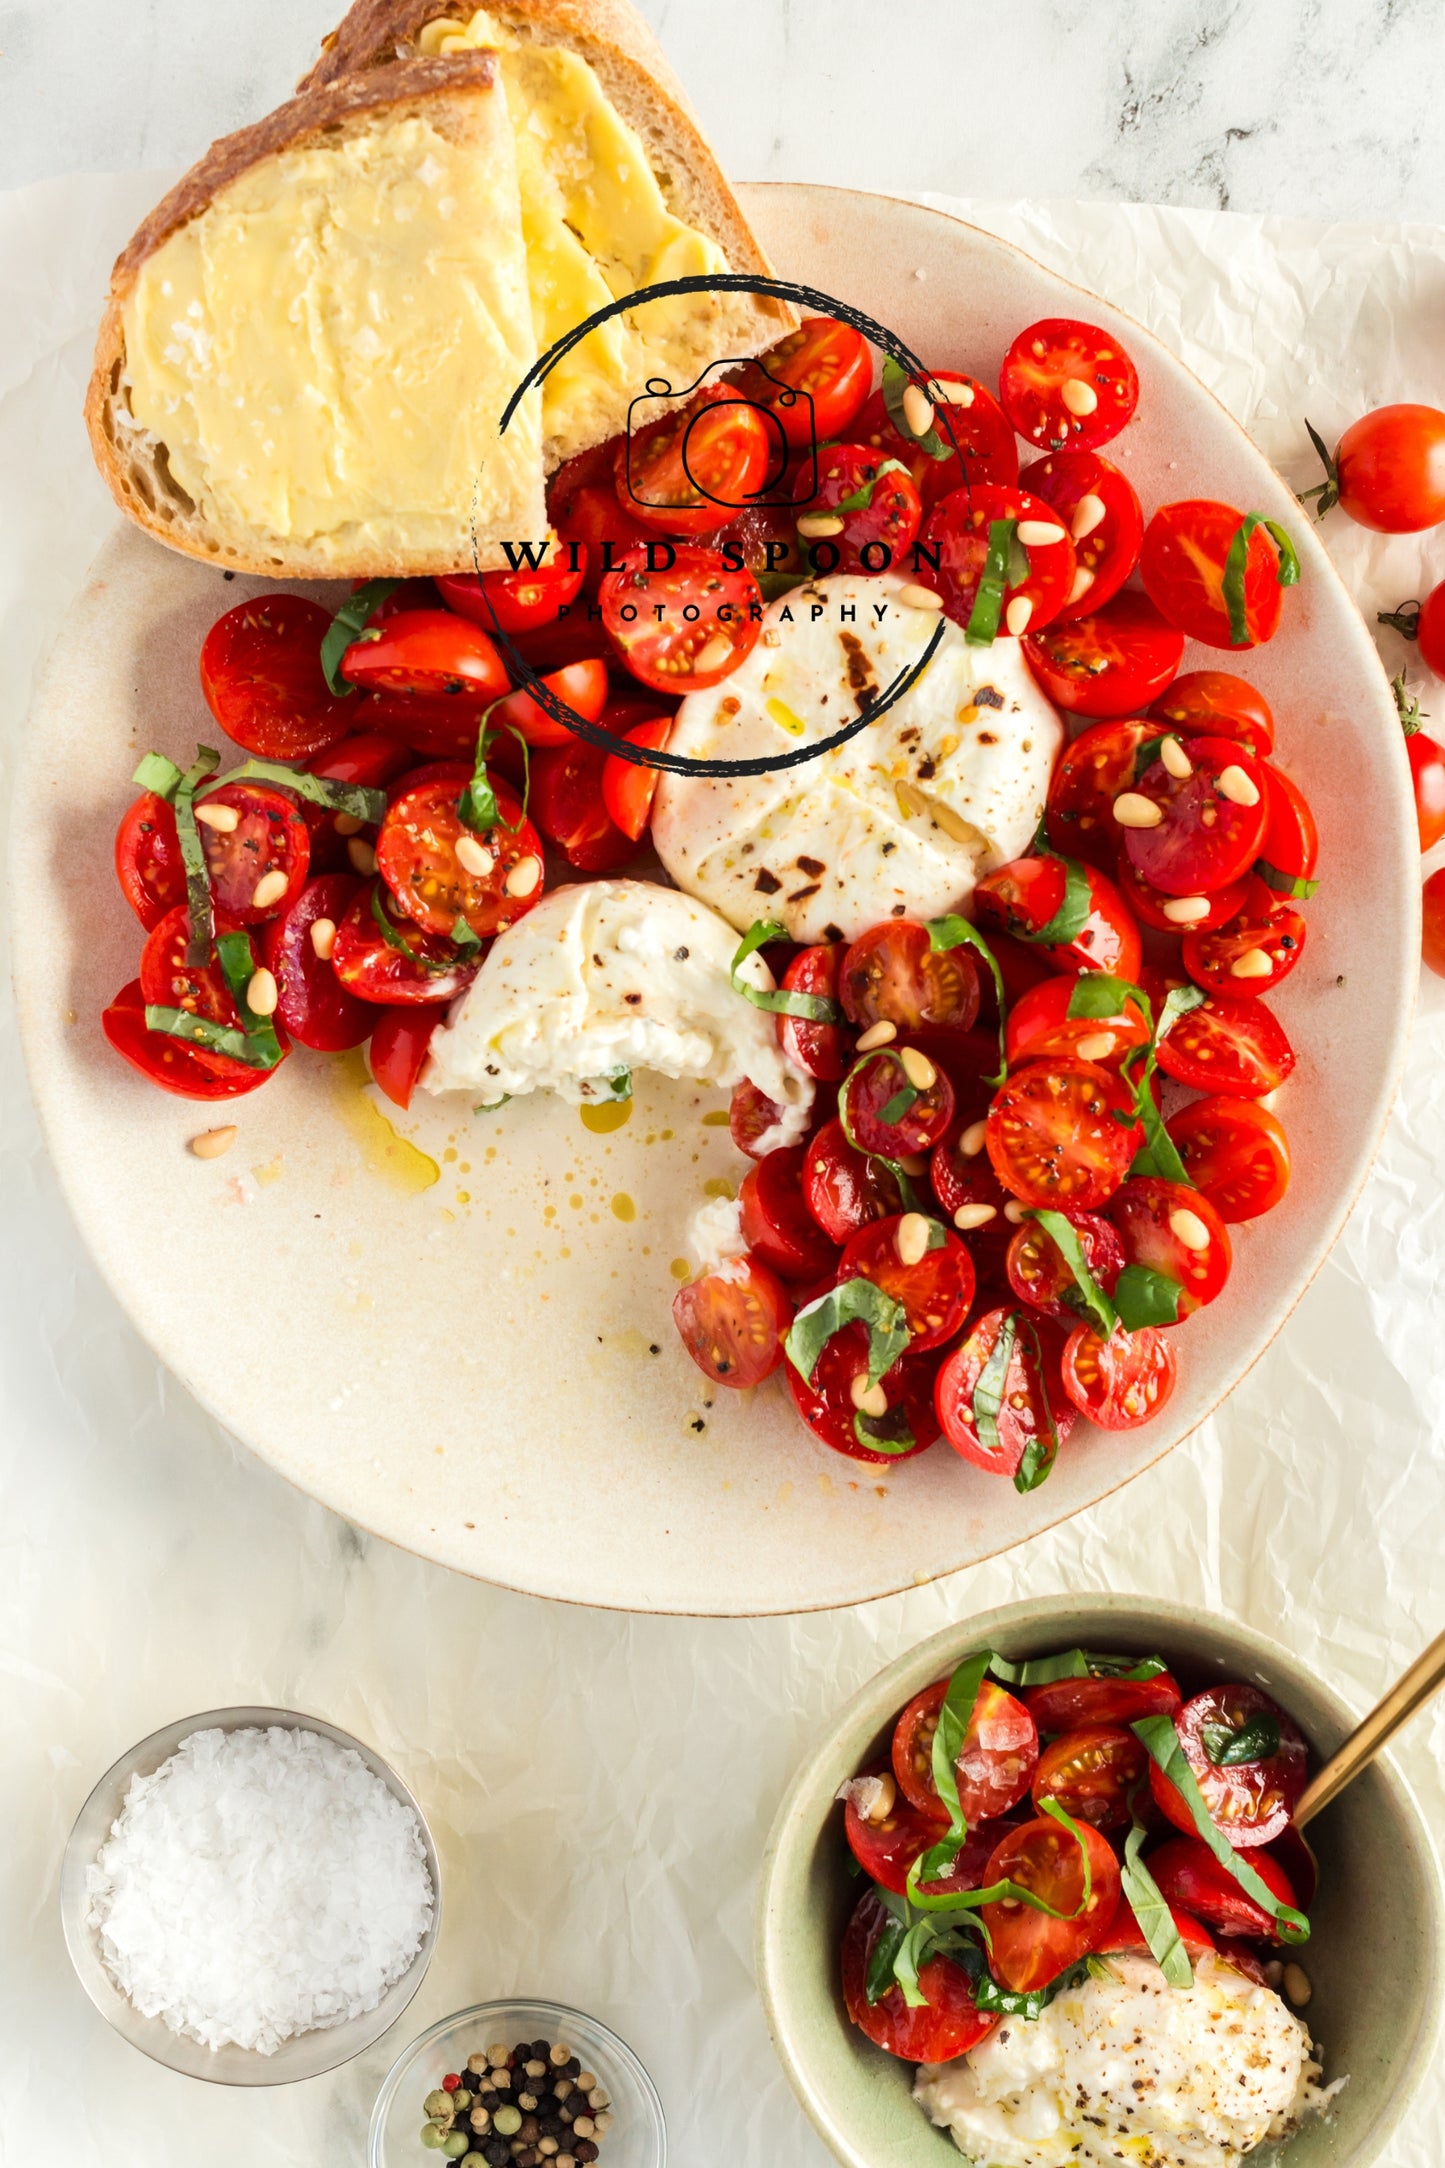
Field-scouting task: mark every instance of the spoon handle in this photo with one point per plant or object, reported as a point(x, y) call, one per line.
point(1424, 1678)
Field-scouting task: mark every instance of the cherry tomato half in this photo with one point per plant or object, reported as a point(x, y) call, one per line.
point(879, 531)
point(1090, 1774)
point(1216, 704)
point(1069, 1704)
point(1034, 1407)
point(168, 981)
point(148, 861)
point(1029, 1948)
point(516, 601)
point(935, 1290)
point(1100, 507)
point(1433, 923)
point(965, 414)
point(1109, 662)
point(1253, 951)
point(1040, 1027)
point(582, 685)
point(1039, 1275)
point(843, 1188)
point(628, 788)
point(372, 758)
point(957, 532)
point(423, 844)
point(433, 653)
point(679, 653)
point(1250, 1801)
point(1236, 1153)
point(1170, 1229)
point(777, 1225)
point(1025, 897)
point(314, 1005)
point(1391, 467)
point(414, 968)
point(1169, 914)
point(1066, 384)
point(826, 1403)
point(568, 806)
point(1212, 817)
point(893, 974)
point(948, 2023)
point(1102, 761)
point(1120, 1382)
point(994, 1764)
point(398, 1050)
point(268, 837)
point(174, 1064)
point(830, 363)
point(754, 1120)
point(732, 1321)
point(1228, 1045)
point(1059, 1134)
point(1291, 847)
point(885, 1849)
point(1188, 1874)
point(693, 469)
point(262, 678)
point(582, 505)
point(883, 1111)
point(1427, 778)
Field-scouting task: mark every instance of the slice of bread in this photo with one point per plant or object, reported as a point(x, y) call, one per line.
point(686, 336)
point(309, 342)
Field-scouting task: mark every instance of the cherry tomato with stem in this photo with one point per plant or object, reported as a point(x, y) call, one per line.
point(1188, 1874)
point(1108, 663)
point(313, 1004)
point(1249, 1801)
point(629, 787)
point(1426, 757)
point(967, 416)
point(1029, 1948)
point(949, 2021)
point(1034, 1409)
point(1172, 1230)
point(1062, 1134)
point(1236, 1152)
point(1090, 1774)
point(1120, 1382)
point(174, 1064)
point(957, 532)
point(1212, 817)
point(1028, 896)
point(679, 652)
point(1067, 385)
point(893, 974)
point(1217, 704)
point(777, 1226)
point(398, 1050)
point(1183, 563)
point(935, 1289)
point(1100, 507)
point(994, 1765)
point(1040, 1276)
point(262, 679)
point(148, 861)
point(517, 601)
point(1102, 761)
point(1388, 470)
point(1228, 1045)
point(431, 653)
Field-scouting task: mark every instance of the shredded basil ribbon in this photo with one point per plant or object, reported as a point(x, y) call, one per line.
point(494, 1106)
point(1075, 906)
point(1075, 1664)
point(983, 619)
point(952, 932)
point(1039, 1454)
point(1161, 1740)
point(357, 799)
point(892, 1114)
point(891, 1433)
point(972, 1900)
point(1285, 884)
point(1098, 994)
point(1235, 565)
point(1158, 1155)
point(477, 807)
point(893, 1111)
point(193, 857)
point(434, 966)
point(988, 1389)
point(1091, 1303)
point(895, 383)
point(218, 1038)
point(255, 1044)
point(862, 497)
point(780, 1000)
point(1256, 1740)
point(1145, 1297)
point(156, 773)
point(1156, 1921)
point(853, 1301)
point(348, 626)
point(901, 1176)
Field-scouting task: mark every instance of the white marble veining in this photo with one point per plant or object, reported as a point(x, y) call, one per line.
point(1322, 108)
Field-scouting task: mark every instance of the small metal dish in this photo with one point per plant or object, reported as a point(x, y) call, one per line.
point(308, 2054)
point(637, 2139)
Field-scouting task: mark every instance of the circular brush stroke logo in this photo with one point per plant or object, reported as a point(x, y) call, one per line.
point(732, 282)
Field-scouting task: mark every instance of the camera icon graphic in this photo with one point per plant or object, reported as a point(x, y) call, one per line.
point(667, 428)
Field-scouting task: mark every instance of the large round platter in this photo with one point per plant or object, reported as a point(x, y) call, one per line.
point(460, 1337)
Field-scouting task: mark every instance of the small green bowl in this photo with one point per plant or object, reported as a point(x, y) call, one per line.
point(1373, 1959)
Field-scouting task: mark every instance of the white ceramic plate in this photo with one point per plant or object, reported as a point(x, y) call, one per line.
point(467, 1368)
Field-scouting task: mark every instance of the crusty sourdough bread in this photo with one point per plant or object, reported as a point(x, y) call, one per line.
point(453, 104)
point(615, 42)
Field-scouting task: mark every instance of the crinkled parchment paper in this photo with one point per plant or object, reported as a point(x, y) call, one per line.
point(601, 1786)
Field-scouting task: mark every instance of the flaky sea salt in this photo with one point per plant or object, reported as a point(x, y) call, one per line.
point(260, 1884)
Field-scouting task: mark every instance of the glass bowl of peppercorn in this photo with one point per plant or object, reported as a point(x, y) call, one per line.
point(518, 2085)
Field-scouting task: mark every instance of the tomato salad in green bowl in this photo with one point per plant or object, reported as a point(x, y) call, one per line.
point(980, 1202)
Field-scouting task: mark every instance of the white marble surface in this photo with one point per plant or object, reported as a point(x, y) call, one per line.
point(1322, 108)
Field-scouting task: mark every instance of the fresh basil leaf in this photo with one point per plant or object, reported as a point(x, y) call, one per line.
point(347, 626)
point(862, 497)
point(1158, 1154)
point(1236, 564)
point(463, 938)
point(200, 1031)
point(1093, 1302)
point(892, 1114)
point(620, 1083)
point(1144, 1297)
point(1227, 1746)
point(778, 1001)
point(477, 807)
point(989, 1386)
point(996, 2001)
point(881, 1958)
point(907, 1193)
point(890, 1433)
point(1156, 1922)
point(895, 383)
point(1040, 1453)
point(853, 1301)
point(1285, 884)
point(1098, 994)
point(983, 619)
point(912, 1953)
point(494, 1106)
point(1075, 909)
point(952, 932)
point(237, 960)
point(1042, 1670)
point(434, 966)
point(356, 799)
point(156, 773)
point(1161, 1741)
point(193, 857)
point(1066, 1821)
point(1102, 1665)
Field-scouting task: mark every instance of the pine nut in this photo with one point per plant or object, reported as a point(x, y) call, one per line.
point(1013, 1212)
point(1186, 910)
point(913, 1164)
point(211, 1143)
point(911, 1240)
point(880, 1806)
point(1239, 787)
point(1016, 616)
point(918, 1069)
point(969, 1216)
point(323, 937)
point(1297, 1985)
point(883, 1033)
point(523, 877)
point(971, 1143)
point(716, 655)
point(223, 818)
point(347, 824)
point(1036, 534)
point(1189, 1228)
point(817, 526)
point(1083, 581)
point(1176, 760)
point(262, 992)
point(1080, 398)
point(268, 890)
point(917, 411)
point(945, 394)
point(868, 1400)
point(1255, 963)
point(1098, 1046)
point(473, 856)
point(1133, 810)
point(361, 855)
point(914, 597)
point(1088, 512)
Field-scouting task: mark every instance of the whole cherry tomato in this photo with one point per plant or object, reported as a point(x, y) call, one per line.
point(1388, 470)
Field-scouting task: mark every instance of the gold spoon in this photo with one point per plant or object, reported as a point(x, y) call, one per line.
point(1409, 1694)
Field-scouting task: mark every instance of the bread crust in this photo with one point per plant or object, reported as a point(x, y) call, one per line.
point(312, 114)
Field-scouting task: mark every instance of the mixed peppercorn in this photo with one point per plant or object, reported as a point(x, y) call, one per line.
point(519, 2107)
